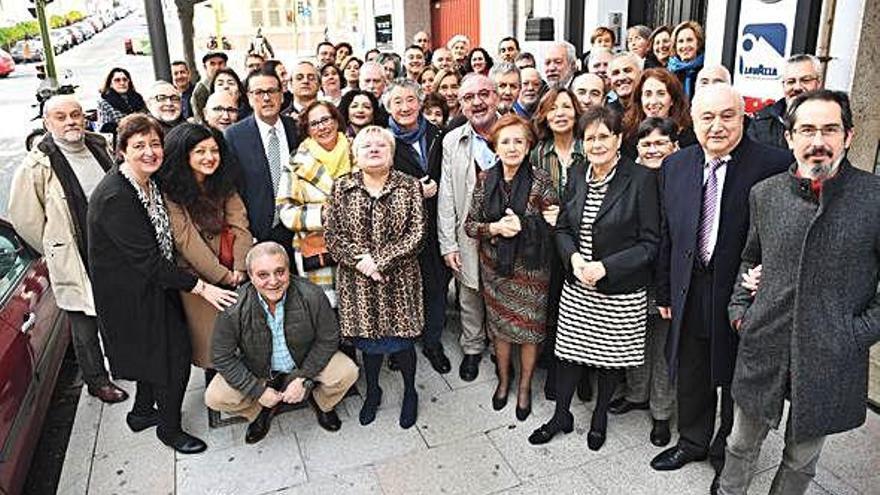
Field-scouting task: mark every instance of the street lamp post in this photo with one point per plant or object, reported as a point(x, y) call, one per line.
point(48, 51)
point(158, 39)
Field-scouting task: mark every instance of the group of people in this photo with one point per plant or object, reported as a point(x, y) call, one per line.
point(616, 219)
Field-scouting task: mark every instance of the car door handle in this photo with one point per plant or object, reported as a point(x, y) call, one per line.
point(29, 322)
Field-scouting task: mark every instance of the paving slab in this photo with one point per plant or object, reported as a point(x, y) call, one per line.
point(133, 469)
point(81, 445)
point(460, 414)
point(359, 481)
point(572, 481)
point(469, 466)
point(854, 456)
point(270, 465)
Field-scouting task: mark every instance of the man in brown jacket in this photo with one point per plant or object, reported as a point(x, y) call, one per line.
point(47, 207)
point(277, 342)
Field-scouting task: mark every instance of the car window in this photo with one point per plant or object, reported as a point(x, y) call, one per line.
point(14, 261)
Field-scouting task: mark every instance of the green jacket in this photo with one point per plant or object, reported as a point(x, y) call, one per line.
point(242, 342)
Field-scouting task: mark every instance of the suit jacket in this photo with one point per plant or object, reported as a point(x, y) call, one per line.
point(626, 231)
point(407, 161)
point(243, 139)
point(681, 177)
point(457, 180)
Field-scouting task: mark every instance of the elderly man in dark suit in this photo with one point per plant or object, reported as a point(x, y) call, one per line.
point(261, 144)
point(705, 221)
point(805, 333)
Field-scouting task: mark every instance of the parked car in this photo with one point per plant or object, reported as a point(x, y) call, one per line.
point(7, 64)
point(27, 51)
point(68, 36)
point(76, 34)
point(59, 40)
point(87, 29)
point(121, 12)
point(96, 23)
point(34, 335)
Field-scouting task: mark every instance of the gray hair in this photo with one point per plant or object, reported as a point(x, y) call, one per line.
point(570, 53)
point(374, 130)
point(56, 100)
point(266, 248)
point(641, 30)
point(597, 51)
point(704, 93)
point(455, 39)
point(806, 57)
point(713, 68)
point(630, 57)
point(156, 87)
point(502, 69)
point(386, 56)
point(402, 83)
point(476, 75)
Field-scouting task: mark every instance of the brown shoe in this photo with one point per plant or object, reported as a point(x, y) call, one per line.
point(109, 393)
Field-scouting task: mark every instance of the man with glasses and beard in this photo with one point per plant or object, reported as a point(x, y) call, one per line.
point(165, 105)
point(47, 206)
point(466, 152)
point(262, 144)
point(806, 329)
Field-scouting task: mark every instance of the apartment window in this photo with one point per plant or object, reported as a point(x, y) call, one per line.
point(256, 13)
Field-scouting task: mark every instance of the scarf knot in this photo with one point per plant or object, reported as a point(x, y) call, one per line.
point(688, 69)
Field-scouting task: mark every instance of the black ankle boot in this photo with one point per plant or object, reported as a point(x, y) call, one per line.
point(370, 406)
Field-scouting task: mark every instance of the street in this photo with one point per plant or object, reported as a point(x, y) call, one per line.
point(88, 63)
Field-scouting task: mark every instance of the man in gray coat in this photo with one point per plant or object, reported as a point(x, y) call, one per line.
point(806, 331)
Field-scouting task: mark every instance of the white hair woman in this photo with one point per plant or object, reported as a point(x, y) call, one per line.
point(374, 226)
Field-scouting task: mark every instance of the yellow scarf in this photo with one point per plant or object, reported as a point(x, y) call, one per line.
point(337, 161)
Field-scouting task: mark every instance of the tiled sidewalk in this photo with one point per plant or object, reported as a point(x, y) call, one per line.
point(459, 445)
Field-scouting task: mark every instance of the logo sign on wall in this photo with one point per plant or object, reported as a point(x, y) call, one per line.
point(763, 45)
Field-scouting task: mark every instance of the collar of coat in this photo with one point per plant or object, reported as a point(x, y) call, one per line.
point(355, 180)
point(94, 142)
point(817, 191)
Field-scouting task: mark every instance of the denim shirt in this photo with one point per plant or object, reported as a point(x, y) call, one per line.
point(281, 359)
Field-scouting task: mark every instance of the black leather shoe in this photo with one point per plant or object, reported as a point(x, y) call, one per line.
point(498, 403)
point(392, 363)
point(438, 359)
point(141, 421)
point(523, 412)
point(185, 443)
point(369, 408)
point(549, 430)
point(259, 427)
point(470, 367)
point(623, 406)
point(716, 484)
point(660, 434)
point(585, 388)
point(328, 420)
point(674, 458)
point(595, 439)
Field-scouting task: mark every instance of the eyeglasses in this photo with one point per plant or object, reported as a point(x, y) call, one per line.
point(483, 95)
point(262, 93)
point(804, 80)
point(314, 124)
point(660, 143)
point(226, 110)
point(164, 98)
point(810, 132)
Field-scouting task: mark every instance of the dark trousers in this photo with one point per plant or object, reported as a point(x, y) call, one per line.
point(435, 285)
point(168, 398)
point(697, 393)
point(87, 347)
point(282, 235)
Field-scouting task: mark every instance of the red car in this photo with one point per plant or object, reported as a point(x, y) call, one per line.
point(7, 65)
point(34, 335)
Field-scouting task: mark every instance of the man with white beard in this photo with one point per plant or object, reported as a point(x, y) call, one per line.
point(47, 207)
point(165, 105)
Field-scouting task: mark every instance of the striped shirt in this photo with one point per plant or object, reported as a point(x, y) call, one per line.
point(596, 329)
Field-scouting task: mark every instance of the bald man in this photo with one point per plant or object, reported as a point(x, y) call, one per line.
point(47, 206)
point(221, 110)
point(712, 74)
point(589, 89)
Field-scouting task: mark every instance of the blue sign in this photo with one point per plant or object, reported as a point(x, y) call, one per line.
point(761, 48)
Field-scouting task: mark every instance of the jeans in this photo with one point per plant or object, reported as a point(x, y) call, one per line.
point(794, 474)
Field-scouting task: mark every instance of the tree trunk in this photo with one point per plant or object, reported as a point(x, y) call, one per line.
point(187, 31)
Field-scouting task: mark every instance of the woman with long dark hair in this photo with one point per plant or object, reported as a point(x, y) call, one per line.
point(118, 99)
point(208, 221)
point(479, 61)
point(359, 109)
point(660, 44)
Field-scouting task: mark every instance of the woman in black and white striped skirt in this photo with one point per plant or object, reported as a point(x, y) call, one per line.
point(607, 235)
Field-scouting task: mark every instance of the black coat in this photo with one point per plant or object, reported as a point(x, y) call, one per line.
point(244, 142)
point(136, 290)
point(767, 125)
point(681, 195)
point(626, 231)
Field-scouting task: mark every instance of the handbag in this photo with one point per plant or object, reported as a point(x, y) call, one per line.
point(227, 251)
point(314, 252)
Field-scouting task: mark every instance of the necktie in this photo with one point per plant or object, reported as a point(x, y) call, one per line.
point(274, 156)
point(707, 212)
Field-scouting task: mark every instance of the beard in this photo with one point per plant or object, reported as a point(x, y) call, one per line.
point(825, 169)
point(70, 136)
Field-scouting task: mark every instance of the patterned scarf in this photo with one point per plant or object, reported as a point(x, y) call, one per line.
point(157, 213)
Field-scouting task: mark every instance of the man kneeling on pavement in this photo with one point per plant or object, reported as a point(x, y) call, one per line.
point(277, 344)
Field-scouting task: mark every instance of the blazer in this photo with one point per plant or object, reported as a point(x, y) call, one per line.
point(626, 231)
point(681, 177)
point(243, 140)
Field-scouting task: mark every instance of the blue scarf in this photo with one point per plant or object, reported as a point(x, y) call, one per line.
point(409, 137)
point(690, 70)
point(521, 110)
